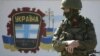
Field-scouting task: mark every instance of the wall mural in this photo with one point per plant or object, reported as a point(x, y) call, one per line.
point(26, 31)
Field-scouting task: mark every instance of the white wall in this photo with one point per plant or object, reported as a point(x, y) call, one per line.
point(90, 10)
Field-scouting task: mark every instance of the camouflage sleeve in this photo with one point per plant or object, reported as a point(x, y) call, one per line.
point(90, 42)
point(57, 43)
point(59, 46)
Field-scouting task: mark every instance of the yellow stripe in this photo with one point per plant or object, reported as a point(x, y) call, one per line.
point(46, 46)
point(49, 33)
point(6, 46)
point(11, 47)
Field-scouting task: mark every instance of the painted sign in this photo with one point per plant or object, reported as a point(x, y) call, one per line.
point(25, 29)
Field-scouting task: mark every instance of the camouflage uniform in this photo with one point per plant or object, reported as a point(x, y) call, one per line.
point(83, 32)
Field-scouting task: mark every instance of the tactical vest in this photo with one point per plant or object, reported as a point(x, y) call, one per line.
point(68, 32)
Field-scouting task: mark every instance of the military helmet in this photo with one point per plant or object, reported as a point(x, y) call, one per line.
point(74, 4)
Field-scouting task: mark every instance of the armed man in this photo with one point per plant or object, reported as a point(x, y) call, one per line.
point(76, 35)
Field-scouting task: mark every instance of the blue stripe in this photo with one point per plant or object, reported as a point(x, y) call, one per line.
point(49, 29)
point(47, 40)
point(26, 30)
point(31, 31)
point(8, 40)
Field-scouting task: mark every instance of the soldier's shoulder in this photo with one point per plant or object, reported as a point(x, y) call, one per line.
point(89, 23)
point(86, 20)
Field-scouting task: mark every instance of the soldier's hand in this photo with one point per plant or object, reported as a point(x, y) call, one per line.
point(71, 46)
point(74, 44)
point(70, 49)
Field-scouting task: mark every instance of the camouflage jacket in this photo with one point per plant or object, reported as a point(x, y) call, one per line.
point(85, 33)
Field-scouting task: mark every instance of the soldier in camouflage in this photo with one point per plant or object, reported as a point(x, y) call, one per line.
point(76, 35)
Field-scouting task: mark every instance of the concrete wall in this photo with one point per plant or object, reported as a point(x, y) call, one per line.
point(91, 9)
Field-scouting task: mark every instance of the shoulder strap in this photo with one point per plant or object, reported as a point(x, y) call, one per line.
point(89, 27)
point(89, 24)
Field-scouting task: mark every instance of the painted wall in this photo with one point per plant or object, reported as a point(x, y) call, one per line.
point(91, 9)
